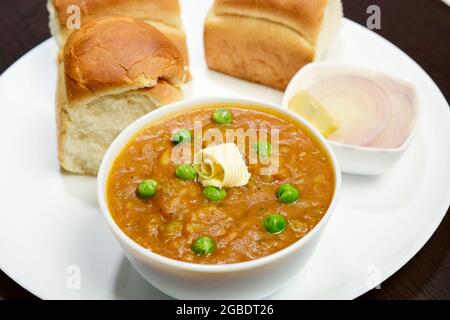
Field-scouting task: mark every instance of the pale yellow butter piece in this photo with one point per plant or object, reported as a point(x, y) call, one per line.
point(314, 112)
point(221, 166)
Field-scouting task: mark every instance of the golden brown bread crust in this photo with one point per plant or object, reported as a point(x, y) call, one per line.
point(271, 57)
point(178, 37)
point(162, 14)
point(268, 41)
point(60, 109)
point(114, 54)
point(165, 11)
point(303, 16)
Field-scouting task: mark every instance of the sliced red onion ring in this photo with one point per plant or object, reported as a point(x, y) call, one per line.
point(373, 110)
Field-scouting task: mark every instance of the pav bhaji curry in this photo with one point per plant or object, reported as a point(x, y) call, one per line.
point(219, 206)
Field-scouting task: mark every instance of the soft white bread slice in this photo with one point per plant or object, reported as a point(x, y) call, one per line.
point(114, 70)
point(269, 41)
point(162, 14)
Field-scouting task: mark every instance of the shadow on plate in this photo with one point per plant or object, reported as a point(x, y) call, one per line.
point(131, 286)
point(83, 188)
point(390, 192)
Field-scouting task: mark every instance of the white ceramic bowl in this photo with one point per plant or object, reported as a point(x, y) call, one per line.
point(247, 280)
point(354, 159)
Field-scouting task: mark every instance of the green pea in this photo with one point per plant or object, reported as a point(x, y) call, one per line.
point(214, 193)
point(181, 136)
point(263, 149)
point(287, 193)
point(204, 246)
point(147, 189)
point(186, 172)
point(223, 116)
point(274, 223)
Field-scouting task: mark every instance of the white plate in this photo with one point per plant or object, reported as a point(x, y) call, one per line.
point(52, 231)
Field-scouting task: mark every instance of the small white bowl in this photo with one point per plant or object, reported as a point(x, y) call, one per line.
point(354, 159)
point(247, 280)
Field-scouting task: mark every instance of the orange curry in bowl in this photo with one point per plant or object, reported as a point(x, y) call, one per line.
point(208, 209)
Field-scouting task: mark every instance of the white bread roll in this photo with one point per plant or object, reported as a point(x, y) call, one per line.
point(165, 15)
point(269, 41)
point(114, 70)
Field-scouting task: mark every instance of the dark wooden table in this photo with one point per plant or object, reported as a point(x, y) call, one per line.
point(420, 27)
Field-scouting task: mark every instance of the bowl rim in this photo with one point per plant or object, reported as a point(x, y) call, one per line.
point(294, 84)
point(123, 138)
